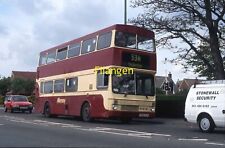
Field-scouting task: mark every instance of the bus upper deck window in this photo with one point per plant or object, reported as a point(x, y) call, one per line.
point(145, 43)
point(51, 57)
point(124, 39)
point(74, 50)
point(61, 54)
point(42, 60)
point(88, 45)
point(104, 40)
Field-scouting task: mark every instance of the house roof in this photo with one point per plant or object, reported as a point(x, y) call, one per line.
point(187, 83)
point(24, 75)
point(160, 79)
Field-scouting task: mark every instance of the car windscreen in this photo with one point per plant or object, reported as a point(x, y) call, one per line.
point(19, 98)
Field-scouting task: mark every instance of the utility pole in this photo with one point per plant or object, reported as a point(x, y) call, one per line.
point(125, 12)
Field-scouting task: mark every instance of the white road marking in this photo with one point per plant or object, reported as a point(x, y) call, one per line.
point(131, 131)
point(48, 122)
point(124, 132)
point(56, 123)
point(218, 144)
point(1, 124)
point(20, 121)
point(182, 139)
point(115, 133)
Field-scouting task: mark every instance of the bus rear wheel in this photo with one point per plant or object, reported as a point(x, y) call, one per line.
point(85, 113)
point(47, 110)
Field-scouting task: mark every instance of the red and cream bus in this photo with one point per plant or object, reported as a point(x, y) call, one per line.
point(107, 74)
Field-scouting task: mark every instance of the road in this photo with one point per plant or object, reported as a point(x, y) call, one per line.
point(34, 130)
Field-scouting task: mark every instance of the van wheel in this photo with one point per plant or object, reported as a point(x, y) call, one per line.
point(85, 113)
point(206, 124)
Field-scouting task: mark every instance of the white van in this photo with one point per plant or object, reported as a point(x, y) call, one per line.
point(205, 105)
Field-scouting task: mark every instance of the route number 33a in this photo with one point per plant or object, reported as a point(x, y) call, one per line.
point(135, 58)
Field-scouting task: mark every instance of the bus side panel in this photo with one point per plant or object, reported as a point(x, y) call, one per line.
point(56, 108)
point(71, 105)
point(75, 104)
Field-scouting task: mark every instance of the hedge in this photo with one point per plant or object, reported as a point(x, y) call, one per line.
point(1, 100)
point(170, 106)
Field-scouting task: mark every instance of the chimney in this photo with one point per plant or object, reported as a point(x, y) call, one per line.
point(170, 75)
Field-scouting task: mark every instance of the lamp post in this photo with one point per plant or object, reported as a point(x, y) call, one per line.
point(125, 12)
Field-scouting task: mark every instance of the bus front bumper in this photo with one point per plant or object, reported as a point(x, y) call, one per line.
point(128, 114)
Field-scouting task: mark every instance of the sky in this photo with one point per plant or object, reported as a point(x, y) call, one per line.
point(30, 26)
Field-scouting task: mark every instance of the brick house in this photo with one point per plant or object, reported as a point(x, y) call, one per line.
point(23, 75)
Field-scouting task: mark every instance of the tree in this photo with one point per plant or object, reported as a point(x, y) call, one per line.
point(5, 85)
point(23, 86)
point(200, 67)
point(190, 21)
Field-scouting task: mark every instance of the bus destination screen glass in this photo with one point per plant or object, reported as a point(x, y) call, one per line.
point(135, 60)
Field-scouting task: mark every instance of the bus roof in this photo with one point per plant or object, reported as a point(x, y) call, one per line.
point(119, 27)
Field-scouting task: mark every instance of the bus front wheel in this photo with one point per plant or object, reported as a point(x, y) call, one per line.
point(85, 112)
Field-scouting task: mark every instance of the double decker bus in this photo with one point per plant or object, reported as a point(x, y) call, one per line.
point(106, 74)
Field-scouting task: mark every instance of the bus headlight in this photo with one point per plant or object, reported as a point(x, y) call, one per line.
point(153, 110)
point(115, 107)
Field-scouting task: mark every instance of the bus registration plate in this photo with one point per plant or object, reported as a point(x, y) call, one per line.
point(144, 115)
point(23, 107)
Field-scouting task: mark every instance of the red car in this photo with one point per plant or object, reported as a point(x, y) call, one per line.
point(17, 103)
